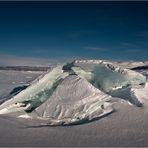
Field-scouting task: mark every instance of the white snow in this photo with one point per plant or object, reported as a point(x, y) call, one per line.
point(142, 93)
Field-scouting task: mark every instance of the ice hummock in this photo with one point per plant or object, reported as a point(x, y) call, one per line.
point(76, 92)
point(106, 76)
point(35, 94)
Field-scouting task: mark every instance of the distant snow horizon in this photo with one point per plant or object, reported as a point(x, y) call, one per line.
point(14, 60)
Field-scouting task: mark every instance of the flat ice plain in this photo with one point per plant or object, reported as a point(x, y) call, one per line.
point(127, 126)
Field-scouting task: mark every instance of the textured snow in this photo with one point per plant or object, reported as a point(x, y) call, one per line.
point(74, 100)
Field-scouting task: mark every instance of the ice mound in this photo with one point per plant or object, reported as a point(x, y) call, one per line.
point(75, 100)
point(76, 92)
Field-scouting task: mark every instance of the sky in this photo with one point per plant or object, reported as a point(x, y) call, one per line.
point(70, 30)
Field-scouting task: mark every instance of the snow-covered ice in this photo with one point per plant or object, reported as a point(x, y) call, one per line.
point(77, 92)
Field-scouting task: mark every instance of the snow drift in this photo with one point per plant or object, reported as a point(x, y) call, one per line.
point(75, 92)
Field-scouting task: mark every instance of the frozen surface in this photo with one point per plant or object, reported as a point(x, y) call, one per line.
point(126, 127)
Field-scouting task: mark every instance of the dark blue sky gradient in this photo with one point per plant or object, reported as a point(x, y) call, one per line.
point(108, 30)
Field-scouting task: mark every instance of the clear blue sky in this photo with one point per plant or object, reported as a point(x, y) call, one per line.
point(108, 30)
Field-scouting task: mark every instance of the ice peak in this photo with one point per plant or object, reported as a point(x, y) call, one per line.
point(88, 61)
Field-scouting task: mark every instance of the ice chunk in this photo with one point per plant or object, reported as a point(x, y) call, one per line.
point(37, 93)
point(108, 77)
